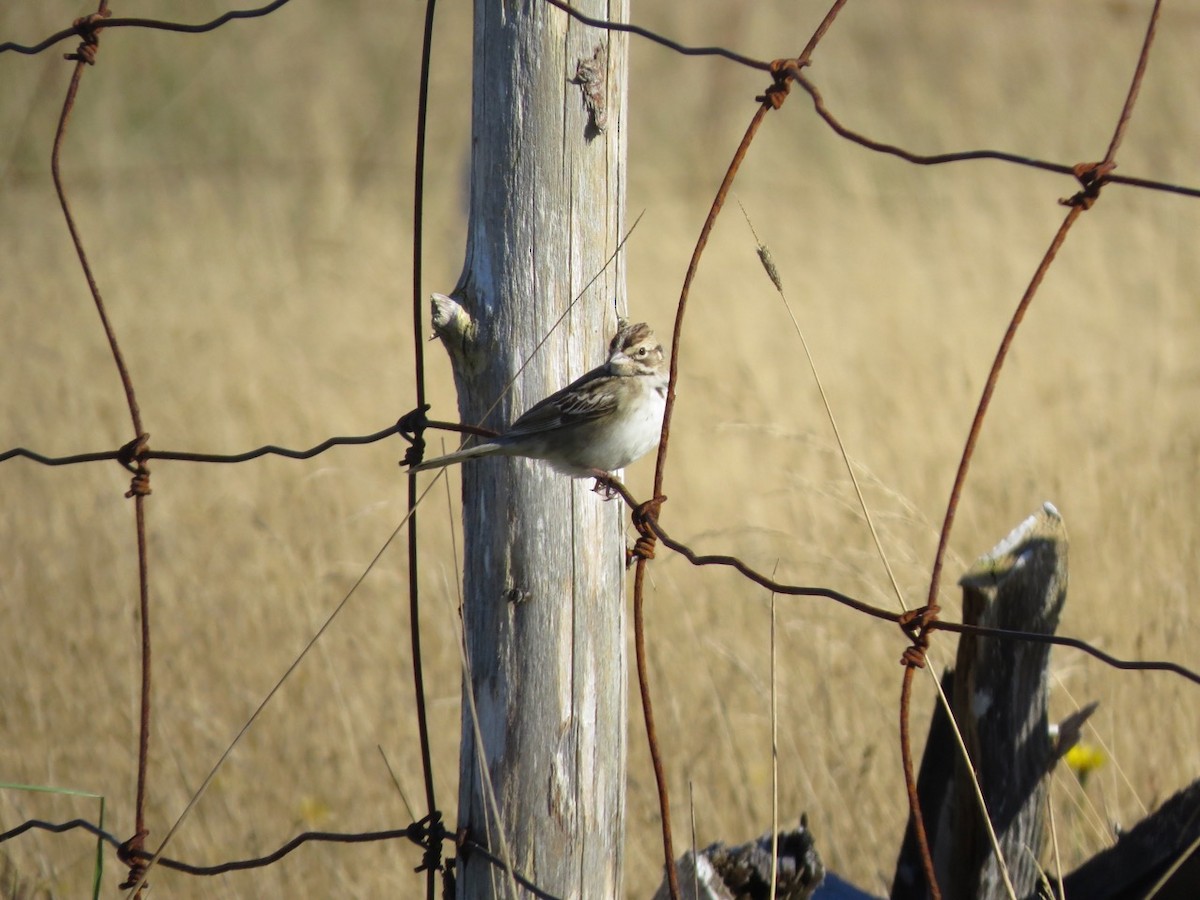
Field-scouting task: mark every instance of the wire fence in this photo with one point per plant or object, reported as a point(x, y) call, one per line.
point(920, 625)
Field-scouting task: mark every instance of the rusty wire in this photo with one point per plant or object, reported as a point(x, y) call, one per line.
point(425, 833)
point(88, 28)
point(404, 427)
point(432, 864)
point(661, 40)
point(1092, 178)
point(81, 28)
point(937, 159)
point(771, 99)
point(639, 577)
point(676, 47)
point(911, 623)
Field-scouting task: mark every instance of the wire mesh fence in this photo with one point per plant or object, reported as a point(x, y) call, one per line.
point(1110, 376)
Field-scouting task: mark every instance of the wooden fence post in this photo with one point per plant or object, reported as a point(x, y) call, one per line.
point(544, 573)
point(999, 693)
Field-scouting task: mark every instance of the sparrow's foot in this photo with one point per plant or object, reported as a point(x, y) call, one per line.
point(604, 486)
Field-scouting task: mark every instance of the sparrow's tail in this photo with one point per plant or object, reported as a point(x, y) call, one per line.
point(485, 449)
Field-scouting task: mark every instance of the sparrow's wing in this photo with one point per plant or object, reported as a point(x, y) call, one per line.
point(590, 397)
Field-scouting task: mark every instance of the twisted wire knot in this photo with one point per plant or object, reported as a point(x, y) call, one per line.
point(133, 457)
point(411, 426)
point(1091, 176)
point(88, 28)
point(916, 624)
point(128, 853)
point(432, 834)
point(783, 71)
point(644, 517)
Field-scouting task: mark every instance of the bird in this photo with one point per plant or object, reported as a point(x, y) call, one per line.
point(602, 421)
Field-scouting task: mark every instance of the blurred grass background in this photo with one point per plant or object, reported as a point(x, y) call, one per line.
point(245, 198)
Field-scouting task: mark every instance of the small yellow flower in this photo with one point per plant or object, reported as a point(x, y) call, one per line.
point(1083, 759)
point(313, 811)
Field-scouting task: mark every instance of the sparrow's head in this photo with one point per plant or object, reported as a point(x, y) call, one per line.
point(634, 350)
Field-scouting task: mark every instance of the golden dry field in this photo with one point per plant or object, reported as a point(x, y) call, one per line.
point(246, 197)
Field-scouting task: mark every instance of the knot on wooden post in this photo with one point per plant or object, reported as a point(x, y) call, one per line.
point(591, 76)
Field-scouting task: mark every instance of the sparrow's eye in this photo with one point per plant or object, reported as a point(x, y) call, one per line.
point(642, 351)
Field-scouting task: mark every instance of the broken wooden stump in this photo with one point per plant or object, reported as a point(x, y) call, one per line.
point(719, 872)
point(999, 693)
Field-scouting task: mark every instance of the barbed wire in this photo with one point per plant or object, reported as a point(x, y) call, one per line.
point(917, 625)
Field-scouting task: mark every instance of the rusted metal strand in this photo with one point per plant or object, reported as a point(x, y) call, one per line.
point(417, 833)
point(917, 622)
point(698, 559)
point(937, 159)
point(662, 40)
point(640, 572)
point(989, 388)
point(1092, 176)
point(660, 466)
point(851, 135)
point(910, 785)
point(822, 29)
point(1151, 184)
point(660, 776)
point(155, 24)
point(772, 98)
point(136, 842)
point(1131, 665)
point(639, 578)
point(1135, 87)
point(433, 861)
point(88, 28)
point(906, 155)
point(659, 39)
point(770, 584)
point(693, 265)
point(269, 449)
point(56, 174)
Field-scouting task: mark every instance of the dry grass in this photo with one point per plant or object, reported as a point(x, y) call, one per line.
point(245, 196)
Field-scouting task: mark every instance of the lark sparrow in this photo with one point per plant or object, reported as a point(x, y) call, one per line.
point(603, 420)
